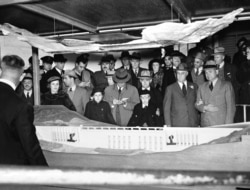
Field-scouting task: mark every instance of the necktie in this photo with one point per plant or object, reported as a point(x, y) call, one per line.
point(70, 93)
point(117, 113)
point(136, 72)
point(27, 95)
point(211, 86)
point(197, 72)
point(184, 89)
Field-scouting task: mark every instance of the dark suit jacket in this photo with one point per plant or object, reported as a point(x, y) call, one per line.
point(230, 74)
point(134, 78)
point(99, 112)
point(18, 141)
point(144, 115)
point(170, 78)
point(29, 100)
point(179, 110)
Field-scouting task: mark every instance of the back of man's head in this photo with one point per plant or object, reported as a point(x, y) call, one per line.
point(12, 67)
point(12, 62)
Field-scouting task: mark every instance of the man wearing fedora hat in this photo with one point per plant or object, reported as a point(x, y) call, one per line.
point(227, 71)
point(47, 65)
point(122, 97)
point(18, 141)
point(145, 77)
point(79, 96)
point(27, 90)
point(197, 73)
point(179, 100)
point(145, 112)
point(135, 60)
point(126, 64)
point(215, 98)
point(100, 80)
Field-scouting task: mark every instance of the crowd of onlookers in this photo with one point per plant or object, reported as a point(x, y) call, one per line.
point(200, 89)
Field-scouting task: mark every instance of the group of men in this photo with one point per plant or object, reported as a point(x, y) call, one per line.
point(203, 96)
point(181, 104)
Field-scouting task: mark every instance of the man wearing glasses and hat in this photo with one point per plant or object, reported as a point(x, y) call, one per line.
point(100, 80)
point(227, 71)
point(197, 73)
point(179, 101)
point(47, 65)
point(215, 98)
point(122, 97)
point(135, 60)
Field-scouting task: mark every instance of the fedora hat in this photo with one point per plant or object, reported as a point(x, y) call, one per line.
point(219, 50)
point(135, 55)
point(104, 59)
point(82, 58)
point(70, 73)
point(59, 58)
point(110, 73)
point(145, 74)
point(28, 76)
point(182, 67)
point(111, 57)
point(121, 75)
point(210, 64)
point(97, 89)
point(177, 54)
point(47, 59)
point(125, 54)
point(200, 56)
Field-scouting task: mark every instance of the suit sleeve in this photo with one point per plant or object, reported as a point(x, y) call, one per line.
point(27, 134)
point(230, 101)
point(68, 103)
point(85, 99)
point(167, 105)
point(109, 115)
point(199, 102)
point(133, 100)
point(133, 121)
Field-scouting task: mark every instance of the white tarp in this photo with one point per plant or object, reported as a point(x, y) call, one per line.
point(164, 34)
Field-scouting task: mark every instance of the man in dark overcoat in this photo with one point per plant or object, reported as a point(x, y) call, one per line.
point(18, 141)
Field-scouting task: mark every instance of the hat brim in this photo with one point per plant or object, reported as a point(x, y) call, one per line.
point(27, 78)
point(219, 53)
point(145, 77)
point(210, 67)
point(122, 80)
point(60, 60)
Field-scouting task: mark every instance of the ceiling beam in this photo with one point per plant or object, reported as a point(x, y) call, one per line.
point(180, 10)
point(46, 11)
point(11, 2)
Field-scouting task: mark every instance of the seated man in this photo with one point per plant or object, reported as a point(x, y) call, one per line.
point(145, 113)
